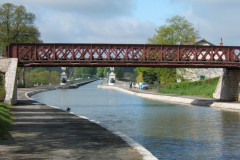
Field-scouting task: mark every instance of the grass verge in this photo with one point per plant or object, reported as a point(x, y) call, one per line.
point(5, 120)
point(203, 88)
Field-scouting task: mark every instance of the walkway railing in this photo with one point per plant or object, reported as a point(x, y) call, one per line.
point(125, 55)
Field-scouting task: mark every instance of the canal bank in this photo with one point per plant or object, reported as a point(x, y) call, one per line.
point(43, 132)
point(208, 102)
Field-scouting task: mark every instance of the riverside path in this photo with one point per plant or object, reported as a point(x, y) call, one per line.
point(43, 132)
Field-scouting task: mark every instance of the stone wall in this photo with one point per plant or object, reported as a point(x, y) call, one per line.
point(9, 67)
point(228, 86)
point(194, 74)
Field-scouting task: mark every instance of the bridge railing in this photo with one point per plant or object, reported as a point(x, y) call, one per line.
point(125, 55)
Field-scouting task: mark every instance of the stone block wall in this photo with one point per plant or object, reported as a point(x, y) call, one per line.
point(228, 86)
point(9, 67)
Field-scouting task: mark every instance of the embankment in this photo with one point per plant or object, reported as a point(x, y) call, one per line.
point(177, 99)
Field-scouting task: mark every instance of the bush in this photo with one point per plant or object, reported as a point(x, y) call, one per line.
point(5, 120)
point(204, 88)
point(2, 87)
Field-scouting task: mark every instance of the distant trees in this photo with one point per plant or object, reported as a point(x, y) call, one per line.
point(119, 72)
point(177, 30)
point(84, 72)
point(41, 76)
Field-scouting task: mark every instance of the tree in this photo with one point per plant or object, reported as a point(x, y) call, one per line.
point(84, 72)
point(42, 76)
point(119, 72)
point(177, 30)
point(100, 72)
point(16, 26)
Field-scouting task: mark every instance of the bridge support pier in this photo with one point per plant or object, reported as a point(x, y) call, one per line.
point(8, 66)
point(228, 86)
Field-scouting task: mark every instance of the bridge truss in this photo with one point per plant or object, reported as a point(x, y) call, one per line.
point(125, 55)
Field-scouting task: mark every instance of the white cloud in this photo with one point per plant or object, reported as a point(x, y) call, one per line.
point(85, 7)
point(67, 28)
point(215, 19)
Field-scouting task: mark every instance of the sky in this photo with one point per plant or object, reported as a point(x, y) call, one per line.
point(130, 21)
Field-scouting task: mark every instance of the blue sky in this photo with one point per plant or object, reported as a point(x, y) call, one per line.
point(130, 21)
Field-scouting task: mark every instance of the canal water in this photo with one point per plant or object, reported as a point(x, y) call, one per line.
point(168, 131)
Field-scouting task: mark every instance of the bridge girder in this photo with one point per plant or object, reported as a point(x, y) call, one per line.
point(131, 55)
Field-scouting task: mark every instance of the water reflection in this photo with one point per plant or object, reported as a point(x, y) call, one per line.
point(230, 133)
point(169, 131)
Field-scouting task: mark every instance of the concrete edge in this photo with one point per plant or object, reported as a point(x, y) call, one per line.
point(147, 155)
point(174, 99)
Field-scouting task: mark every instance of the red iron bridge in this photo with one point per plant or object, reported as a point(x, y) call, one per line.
point(124, 55)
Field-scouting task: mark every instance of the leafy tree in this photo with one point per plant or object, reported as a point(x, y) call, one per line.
point(100, 71)
point(119, 72)
point(106, 71)
point(177, 30)
point(42, 76)
point(84, 72)
point(16, 26)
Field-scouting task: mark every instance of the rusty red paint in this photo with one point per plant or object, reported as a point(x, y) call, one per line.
point(125, 55)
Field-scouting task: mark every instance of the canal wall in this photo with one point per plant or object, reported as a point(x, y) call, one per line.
point(178, 99)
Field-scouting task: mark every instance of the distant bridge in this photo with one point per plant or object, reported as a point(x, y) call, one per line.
point(131, 55)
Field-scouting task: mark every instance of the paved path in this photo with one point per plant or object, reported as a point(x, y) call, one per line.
point(43, 132)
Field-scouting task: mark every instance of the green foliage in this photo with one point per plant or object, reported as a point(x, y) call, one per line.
point(84, 72)
point(119, 72)
point(16, 26)
point(42, 76)
point(204, 88)
point(5, 120)
point(106, 71)
point(128, 76)
point(100, 72)
point(149, 77)
point(176, 31)
point(139, 78)
point(2, 87)
point(167, 75)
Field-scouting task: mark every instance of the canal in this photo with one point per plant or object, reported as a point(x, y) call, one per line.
point(168, 131)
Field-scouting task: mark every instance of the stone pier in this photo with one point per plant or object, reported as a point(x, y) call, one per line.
point(8, 66)
point(228, 86)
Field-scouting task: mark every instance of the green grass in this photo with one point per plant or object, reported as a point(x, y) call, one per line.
point(5, 120)
point(203, 88)
point(2, 88)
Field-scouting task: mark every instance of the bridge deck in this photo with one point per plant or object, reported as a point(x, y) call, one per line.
point(125, 55)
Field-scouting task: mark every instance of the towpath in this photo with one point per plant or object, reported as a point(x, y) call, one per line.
point(43, 132)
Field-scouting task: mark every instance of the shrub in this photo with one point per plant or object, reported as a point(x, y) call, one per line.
point(5, 120)
point(2, 87)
